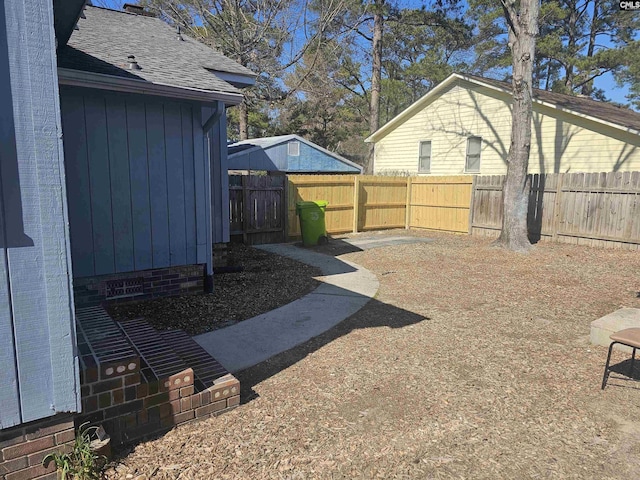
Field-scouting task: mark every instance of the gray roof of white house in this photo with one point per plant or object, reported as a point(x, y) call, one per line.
point(105, 38)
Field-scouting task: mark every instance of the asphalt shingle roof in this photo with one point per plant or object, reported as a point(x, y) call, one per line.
point(105, 38)
point(586, 106)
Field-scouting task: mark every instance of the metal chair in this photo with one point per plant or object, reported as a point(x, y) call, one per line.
point(629, 337)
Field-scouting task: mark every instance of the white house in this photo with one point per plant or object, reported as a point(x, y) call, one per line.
point(463, 126)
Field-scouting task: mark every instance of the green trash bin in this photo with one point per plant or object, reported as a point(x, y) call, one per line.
point(312, 223)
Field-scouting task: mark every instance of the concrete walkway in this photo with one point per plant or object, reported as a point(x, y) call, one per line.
point(369, 242)
point(346, 288)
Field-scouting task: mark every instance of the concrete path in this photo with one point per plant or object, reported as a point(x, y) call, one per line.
point(346, 288)
point(366, 243)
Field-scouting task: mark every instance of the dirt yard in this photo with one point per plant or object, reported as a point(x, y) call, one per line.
point(471, 362)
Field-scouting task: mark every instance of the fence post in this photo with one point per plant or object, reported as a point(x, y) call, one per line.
point(356, 202)
point(246, 211)
point(407, 217)
point(472, 202)
point(556, 206)
point(285, 207)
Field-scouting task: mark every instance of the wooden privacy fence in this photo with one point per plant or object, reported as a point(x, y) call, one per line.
point(596, 209)
point(440, 203)
point(257, 208)
point(359, 203)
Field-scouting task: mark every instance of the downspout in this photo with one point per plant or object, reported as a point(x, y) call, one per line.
point(213, 119)
point(206, 128)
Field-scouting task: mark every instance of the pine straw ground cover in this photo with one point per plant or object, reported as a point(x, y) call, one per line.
point(266, 282)
point(471, 362)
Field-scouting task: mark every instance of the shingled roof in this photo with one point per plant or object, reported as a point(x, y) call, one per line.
point(602, 110)
point(105, 39)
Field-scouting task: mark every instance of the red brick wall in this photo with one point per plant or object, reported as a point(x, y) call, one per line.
point(22, 448)
point(130, 409)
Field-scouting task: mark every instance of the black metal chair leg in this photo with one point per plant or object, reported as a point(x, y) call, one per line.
point(633, 359)
point(606, 367)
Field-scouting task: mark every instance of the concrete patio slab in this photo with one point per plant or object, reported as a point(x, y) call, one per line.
point(346, 288)
point(618, 320)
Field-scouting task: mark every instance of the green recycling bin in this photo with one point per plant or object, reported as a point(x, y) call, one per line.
point(312, 224)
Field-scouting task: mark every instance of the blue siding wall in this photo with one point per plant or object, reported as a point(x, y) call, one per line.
point(38, 362)
point(137, 180)
point(277, 158)
point(313, 160)
point(219, 176)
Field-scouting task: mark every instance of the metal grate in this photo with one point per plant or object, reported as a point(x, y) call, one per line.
point(128, 287)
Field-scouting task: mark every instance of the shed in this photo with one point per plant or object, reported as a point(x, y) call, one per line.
point(463, 126)
point(287, 154)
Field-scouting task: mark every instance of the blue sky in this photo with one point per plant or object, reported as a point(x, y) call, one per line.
point(605, 82)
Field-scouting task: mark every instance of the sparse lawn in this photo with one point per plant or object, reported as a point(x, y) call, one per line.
point(472, 362)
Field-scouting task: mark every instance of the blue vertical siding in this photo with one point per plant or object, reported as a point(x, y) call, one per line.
point(140, 162)
point(201, 173)
point(186, 119)
point(139, 186)
point(158, 195)
point(38, 369)
point(95, 115)
point(120, 185)
point(175, 184)
point(77, 169)
point(9, 395)
point(219, 178)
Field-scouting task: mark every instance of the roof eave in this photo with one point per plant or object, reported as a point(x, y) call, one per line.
point(416, 106)
point(236, 79)
point(101, 81)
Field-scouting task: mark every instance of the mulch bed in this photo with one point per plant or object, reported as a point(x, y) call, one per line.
point(471, 362)
point(266, 282)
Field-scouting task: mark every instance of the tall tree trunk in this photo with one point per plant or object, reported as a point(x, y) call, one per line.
point(243, 120)
point(572, 47)
point(376, 77)
point(587, 88)
point(523, 28)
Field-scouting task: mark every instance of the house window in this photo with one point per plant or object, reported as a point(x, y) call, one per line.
point(294, 149)
point(474, 145)
point(424, 161)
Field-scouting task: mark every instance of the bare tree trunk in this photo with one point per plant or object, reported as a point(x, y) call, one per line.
point(523, 28)
point(376, 76)
point(587, 88)
point(243, 120)
point(571, 45)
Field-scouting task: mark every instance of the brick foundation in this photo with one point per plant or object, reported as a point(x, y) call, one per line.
point(92, 291)
point(23, 448)
point(137, 382)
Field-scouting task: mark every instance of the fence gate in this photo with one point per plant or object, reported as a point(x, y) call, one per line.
point(257, 208)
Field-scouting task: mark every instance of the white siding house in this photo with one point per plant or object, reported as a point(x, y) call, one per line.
point(463, 126)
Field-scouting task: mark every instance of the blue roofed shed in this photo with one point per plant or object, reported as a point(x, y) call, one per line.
point(287, 154)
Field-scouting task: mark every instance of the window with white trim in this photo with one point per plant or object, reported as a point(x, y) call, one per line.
point(294, 149)
point(424, 158)
point(474, 146)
